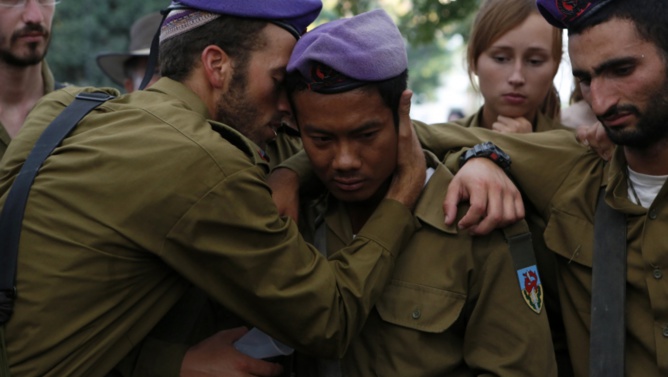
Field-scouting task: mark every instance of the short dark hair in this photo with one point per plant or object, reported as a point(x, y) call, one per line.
point(237, 36)
point(648, 16)
point(390, 90)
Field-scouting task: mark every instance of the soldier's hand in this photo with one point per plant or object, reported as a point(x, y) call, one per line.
point(495, 201)
point(595, 137)
point(410, 174)
point(284, 185)
point(216, 357)
point(512, 125)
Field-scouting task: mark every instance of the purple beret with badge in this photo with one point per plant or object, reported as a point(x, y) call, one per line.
point(568, 13)
point(350, 52)
point(292, 15)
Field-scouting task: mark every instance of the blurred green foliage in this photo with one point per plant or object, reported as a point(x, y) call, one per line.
point(84, 28)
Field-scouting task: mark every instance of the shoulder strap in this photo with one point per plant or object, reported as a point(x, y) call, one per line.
point(520, 245)
point(11, 217)
point(608, 329)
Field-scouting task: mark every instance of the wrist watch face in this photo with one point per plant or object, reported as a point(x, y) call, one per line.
point(490, 151)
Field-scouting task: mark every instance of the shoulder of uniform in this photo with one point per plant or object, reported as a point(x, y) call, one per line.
point(250, 149)
point(67, 94)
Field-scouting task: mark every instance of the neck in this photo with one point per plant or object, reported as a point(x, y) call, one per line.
point(651, 161)
point(20, 89)
point(359, 212)
point(20, 84)
point(487, 118)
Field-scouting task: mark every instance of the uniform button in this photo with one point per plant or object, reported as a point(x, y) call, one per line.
point(665, 332)
point(652, 214)
point(416, 314)
point(658, 274)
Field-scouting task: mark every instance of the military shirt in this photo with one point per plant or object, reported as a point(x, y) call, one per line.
point(148, 196)
point(542, 123)
point(49, 86)
point(544, 257)
point(454, 306)
point(563, 179)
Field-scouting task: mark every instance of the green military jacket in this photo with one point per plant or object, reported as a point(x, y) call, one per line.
point(454, 306)
point(49, 86)
point(542, 123)
point(562, 179)
point(147, 197)
point(544, 257)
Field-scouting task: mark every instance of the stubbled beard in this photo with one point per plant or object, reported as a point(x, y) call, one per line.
point(35, 56)
point(235, 110)
point(652, 125)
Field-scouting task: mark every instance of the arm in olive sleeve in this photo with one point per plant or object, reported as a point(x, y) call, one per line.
point(541, 161)
point(233, 244)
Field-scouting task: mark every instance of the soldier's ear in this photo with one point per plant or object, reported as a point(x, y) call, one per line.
point(217, 66)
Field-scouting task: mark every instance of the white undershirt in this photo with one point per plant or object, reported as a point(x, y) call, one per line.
point(430, 172)
point(646, 186)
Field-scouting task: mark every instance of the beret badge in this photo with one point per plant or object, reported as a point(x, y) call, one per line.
point(569, 13)
point(572, 9)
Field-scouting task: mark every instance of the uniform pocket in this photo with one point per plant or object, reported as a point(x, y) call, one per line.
point(420, 307)
point(570, 237)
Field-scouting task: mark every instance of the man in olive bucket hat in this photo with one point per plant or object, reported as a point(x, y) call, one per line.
point(127, 68)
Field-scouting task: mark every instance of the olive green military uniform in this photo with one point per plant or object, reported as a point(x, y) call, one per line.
point(286, 144)
point(542, 123)
point(454, 306)
point(49, 86)
point(147, 196)
point(545, 258)
point(563, 179)
point(195, 316)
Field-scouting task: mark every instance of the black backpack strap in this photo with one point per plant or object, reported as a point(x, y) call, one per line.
point(608, 328)
point(11, 217)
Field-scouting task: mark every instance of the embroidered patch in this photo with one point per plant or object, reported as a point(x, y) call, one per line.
point(531, 287)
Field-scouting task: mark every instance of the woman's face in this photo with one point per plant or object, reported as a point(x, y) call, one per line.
point(515, 73)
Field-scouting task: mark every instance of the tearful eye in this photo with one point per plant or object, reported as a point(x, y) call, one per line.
point(583, 81)
point(367, 135)
point(624, 70)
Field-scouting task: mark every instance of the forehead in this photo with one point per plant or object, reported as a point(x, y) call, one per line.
point(340, 111)
point(611, 40)
point(534, 25)
point(277, 47)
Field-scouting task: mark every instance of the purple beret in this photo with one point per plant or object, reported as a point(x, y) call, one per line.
point(293, 15)
point(567, 13)
point(367, 47)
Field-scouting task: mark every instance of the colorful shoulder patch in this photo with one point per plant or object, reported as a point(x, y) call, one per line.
point(531, 287)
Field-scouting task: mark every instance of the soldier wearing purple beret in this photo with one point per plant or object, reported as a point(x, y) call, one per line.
point(606, 222)
point(456, 305)
point(162, 190)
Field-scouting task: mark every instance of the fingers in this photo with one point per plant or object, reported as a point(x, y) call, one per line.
point(230, 336)
point(262, 368)
point(284, 184)
point(595, 137)
point(454, 195)
point(405, 108)
point(476, 213)
point(409, 175)
point(494, 200)
point(512, 125)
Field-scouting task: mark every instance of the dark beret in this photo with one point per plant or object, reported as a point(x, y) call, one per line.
point(568, 13)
